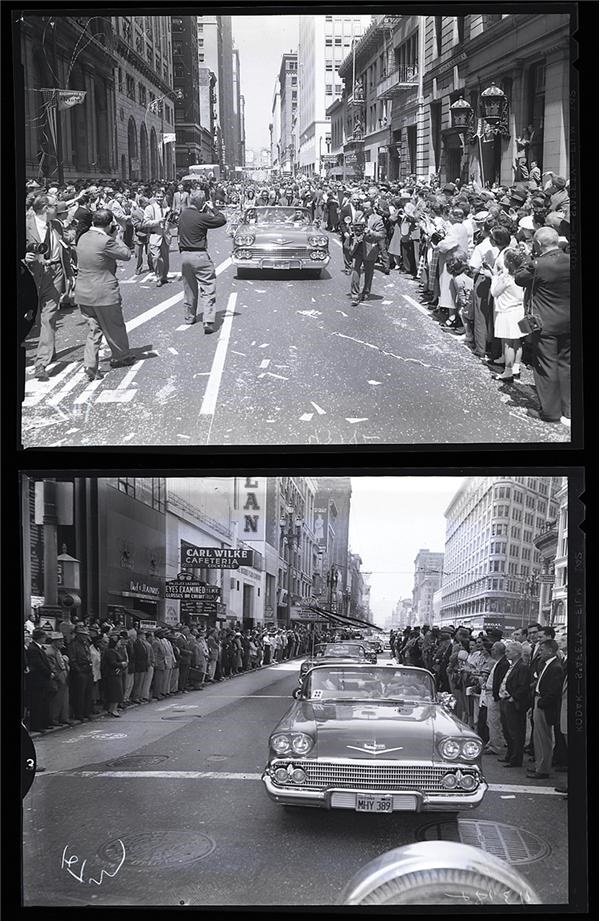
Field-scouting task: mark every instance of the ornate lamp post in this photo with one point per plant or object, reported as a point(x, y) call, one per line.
point(492, 101)
point(460, 113)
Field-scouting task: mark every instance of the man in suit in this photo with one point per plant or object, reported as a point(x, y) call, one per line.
point(563, 720)
point(546, 710)
point(51, 271)
point(365, 254)
point(80, 665)
point(496, 741)
point(154, 215)
point(348, 210)
point(181, 199)
point(140, 235)
point(514, 701)
point(97, 292)
point(547, 279)
point(39, 681)
point(59, 702)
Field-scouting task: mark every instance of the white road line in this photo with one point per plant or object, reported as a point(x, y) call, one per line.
point(153, 312)
point(130, 375)
point(226, 775)
point(44, 387)
point(70, 385)
point(91, 387)
point(216, 372)
point(419, 307)
point(116, 396)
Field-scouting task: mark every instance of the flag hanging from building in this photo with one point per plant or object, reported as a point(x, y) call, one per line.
point(69, 98)
point(168, 138)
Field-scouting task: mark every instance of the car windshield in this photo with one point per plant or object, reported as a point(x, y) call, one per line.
point(345, 649)
point(295, 217)
point(348, 683)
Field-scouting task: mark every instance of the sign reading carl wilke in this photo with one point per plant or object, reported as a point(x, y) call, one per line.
point(216, 557)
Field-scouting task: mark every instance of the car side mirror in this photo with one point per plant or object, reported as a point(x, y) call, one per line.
point(297, 693)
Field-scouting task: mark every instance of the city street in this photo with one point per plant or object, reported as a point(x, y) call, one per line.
point(168, 802)
point(291, 363)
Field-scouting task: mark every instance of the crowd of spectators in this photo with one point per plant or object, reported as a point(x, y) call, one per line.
point(87, 667)
point(512, 690)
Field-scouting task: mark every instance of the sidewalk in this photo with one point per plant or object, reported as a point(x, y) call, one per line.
point(131, 706)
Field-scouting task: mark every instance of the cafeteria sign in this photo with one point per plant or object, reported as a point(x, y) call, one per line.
point(216, 557)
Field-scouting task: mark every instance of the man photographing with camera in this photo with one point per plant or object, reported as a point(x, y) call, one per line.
point(47, 258)
point(197, 268)
point(97, 291)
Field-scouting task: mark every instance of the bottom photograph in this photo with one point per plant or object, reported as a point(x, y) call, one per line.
point(330, 690)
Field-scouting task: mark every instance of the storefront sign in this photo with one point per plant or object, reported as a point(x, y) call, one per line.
point(147, 625)
point(303, 614)
point(142, 590)
point(321, 527)
point(251, 511)
point(249, 573)
point(191, 590)
point(216, 557)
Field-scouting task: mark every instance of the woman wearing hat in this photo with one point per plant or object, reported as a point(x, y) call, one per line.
point(112, 671)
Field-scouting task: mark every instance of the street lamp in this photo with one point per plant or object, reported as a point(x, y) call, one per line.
point(460, 113)
point(492, 101)
point(290, 524)
point(332, 581)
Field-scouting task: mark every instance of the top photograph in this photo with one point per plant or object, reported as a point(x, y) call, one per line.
point(284, 230)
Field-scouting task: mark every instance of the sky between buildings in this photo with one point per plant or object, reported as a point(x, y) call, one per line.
point(391, 519)
point(261, 41)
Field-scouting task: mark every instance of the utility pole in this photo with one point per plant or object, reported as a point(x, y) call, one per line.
point(56, 99)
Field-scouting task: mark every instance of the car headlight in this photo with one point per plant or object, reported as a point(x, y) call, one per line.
point(281, 744)
point(298, 776)
point(246, 239)
point(471, 749)
point(281, 775)
point(318, 241)
point(450, 749)
point(302, 743)
point(468, 782)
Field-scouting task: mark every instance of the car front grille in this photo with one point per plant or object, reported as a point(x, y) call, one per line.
point(327, 774)
point(284, 253)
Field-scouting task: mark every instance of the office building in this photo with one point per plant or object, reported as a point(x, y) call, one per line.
point(188, 130)
point(491, 563)
point(288, 94)
point(429, 568)
point(323, 43)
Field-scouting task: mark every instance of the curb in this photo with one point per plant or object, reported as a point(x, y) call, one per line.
point(102, 716)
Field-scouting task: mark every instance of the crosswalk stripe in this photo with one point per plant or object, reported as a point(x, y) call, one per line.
point(83, 396)
point(37, 390)
point(70, 385)
point(216, 372)
point(130, 375)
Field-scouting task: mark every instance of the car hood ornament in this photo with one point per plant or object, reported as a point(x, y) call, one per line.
point(374, 748)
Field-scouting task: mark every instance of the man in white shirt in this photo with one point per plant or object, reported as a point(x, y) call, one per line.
point(158, 244)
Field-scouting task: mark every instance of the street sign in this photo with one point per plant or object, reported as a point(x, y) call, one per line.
point(191, 590)
point(216, 557)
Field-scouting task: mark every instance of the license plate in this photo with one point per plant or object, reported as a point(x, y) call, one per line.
point(373, 804)
point(283, 266)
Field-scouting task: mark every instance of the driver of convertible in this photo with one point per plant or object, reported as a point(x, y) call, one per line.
point(405, 686)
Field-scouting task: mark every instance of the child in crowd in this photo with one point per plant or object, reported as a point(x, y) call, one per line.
point(461, 288)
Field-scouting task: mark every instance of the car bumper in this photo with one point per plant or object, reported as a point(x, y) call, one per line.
point(273, 261)
point(343, 798)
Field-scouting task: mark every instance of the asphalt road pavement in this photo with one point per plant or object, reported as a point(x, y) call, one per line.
point(166, 807)
point(291, 363)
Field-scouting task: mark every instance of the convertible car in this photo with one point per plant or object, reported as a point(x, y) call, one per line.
point(373, 738)
point(276, 237)
point(337, 652)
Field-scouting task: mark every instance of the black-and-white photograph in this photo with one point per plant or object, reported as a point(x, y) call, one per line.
point(272, 230)
point(320, 681)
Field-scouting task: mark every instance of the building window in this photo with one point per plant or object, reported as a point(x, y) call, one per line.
point(130, 87)
point(460, 28)
point(489, 19)
point(328, 42)
point(142, 94)
point(120, 80)
point(201, 43)
point(178, 70)
point(438, 35)
point(177, 24)
point(201, 58)
point(329, 19)
point(338, 40)
point(177, 47)
point(328, 89)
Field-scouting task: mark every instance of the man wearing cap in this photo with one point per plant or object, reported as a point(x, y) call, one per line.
point(59, 702)
point(80, 666)
point(52, 272)
point(40, 676)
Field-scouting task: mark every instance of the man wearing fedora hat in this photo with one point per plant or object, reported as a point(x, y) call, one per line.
point(40, 676)
point(59, 702)
point(80, 665)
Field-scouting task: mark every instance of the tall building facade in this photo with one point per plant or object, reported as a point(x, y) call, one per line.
point(429, 568)
point(288, 89)
point(561, 562)
point(238, 158)
point(215, 51)
point(79, 53)
point(189, 147)
point(491, 562)
point(322, 44)
point(275, 127)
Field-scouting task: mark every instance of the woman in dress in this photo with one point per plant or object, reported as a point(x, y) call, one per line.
point(508, 310)
point(395, 247)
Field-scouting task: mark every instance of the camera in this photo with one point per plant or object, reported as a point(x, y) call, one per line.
point(40, 249)
point(358, 229)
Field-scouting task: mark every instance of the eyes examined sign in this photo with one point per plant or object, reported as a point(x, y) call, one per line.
point(215, 557)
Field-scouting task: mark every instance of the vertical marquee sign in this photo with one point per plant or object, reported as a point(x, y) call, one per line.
point(251, 509)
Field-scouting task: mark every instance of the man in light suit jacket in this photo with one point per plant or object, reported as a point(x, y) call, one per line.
point(348, 209)
point(154, 215)
point(51, 270)
point(97, 292)
point(365, 254)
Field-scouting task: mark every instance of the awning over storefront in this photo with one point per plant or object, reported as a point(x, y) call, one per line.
point(344, 619)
